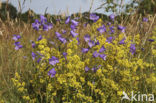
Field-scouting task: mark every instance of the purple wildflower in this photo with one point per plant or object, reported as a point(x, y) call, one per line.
point(95, 54)
point(52, 73)
point(43, 19)
point(109, 39)
point(112, 16)
point(73, 33)
point(102, 49)
point(102, 29)
point(132, 48)
point(33, 55)
point(64, 31)
point(87, 37)
point(94, 17)
point(73, 27)
point(63, 40)
point(58, 34)
point(91, 43)
point(151, 40)
point(122, 41)
point(36, 25)
point(53, 60)
point(111, 29)
point(145, 19)
point(16, 37)
point(74, 22)
point(67, 20)
point(38, 60)
point(47, 27)
point(17, 45)
point(103, 56)
point(33, 45)
point(39, 38)
point(85, 50)
point(121, 28)
point(50, 25)
point(87, 69)
point(94, 69)
point(97, 42)
point(78, 40)
point(85, 25)
point(109, 23)
point(65, 55)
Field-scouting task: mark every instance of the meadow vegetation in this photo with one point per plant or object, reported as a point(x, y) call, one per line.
point(76, 60)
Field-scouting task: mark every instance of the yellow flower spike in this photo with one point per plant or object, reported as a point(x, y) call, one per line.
point(41, 47)
point(47, 49)
point(21, 89)
point(43, 42)
point(69, 51)
point(17, 75)
point(54, 94)
point(120, 93)
point(82, 79)
point(42, 80)
point(49, 88)
point(23, 84)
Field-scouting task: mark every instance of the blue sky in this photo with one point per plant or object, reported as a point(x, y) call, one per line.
point(58, 6)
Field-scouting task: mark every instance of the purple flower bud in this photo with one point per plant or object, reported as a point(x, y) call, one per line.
point(67, 20)
point(39, 38)
point(78, 40)
point(151, 40)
